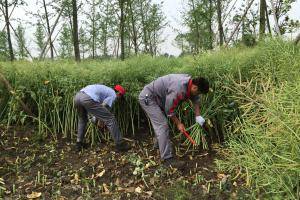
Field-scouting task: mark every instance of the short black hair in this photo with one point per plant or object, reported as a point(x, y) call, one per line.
point(202, 83)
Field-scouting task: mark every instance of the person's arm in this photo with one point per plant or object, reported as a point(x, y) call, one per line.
point(108, 101)
point(199, 119)
point(197, 109)
point(177, 122)
point(172, 101)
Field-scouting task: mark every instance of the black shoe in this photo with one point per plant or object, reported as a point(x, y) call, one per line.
point(80, 145)
point(172, 162)
point(122, 147)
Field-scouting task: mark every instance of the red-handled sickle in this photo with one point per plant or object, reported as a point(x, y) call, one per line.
point(189, 137)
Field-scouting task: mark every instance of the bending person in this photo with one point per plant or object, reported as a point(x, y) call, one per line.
point(159, 100)
point(98, 100)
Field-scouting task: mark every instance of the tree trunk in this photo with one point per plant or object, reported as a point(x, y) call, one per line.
point(210, 44)
point(105, 32)
point(93, 38)
point(122, 32)
point(268, 21)
point(220, 26)
point(83, 49)
point(11, 52)
point(48, 29)
point(262, 18)
point(154, 43)
point(75, 32)
point(197, 28)
point(134, 33)
point(150, 44)
point(275, 18)
point(297, 39)
point(144, 27)
point(93, 31)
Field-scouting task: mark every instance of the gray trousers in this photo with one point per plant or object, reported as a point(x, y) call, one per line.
point(159, 122)
point(84, 104)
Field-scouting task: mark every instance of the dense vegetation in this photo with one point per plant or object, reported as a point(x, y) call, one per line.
point(254, 104)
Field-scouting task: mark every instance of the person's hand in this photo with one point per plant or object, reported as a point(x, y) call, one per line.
point(93, 120)
point(181, 127)
point(200, 120)
point(101, 126)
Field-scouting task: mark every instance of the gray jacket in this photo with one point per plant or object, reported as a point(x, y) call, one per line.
point(169, 90)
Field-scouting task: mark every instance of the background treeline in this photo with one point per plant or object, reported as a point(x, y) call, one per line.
point(121, 28)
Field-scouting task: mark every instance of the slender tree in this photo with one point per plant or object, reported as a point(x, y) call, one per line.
point(155, 24)
point(60, 12)
point(262, 18)
point(83, 42)
point(210, 24)
point(196, 25)
point(4, 53)
point(46, 10)
point(268, 21)
point(92, 21)
point(133, 28)
point(75, 31)
point(220, 24)
point(297, 39)
point(21, 42)
point(182, 42)
point(199, 19)
point(239, 22)
point(143, 9)
point(122, 28)
point(283, 22)
point(6, 6)
point(65, 43)
point(48, 29)
point(39, 36)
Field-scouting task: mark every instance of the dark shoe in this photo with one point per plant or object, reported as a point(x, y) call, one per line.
point(122, 147)
point(80, 145)
point(172, 162)
point(155, 144)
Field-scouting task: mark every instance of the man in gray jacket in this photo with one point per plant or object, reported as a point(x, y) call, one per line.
point(97, 100)
point(159, 100)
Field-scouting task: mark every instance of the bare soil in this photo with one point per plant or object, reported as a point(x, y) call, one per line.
point(53, 170)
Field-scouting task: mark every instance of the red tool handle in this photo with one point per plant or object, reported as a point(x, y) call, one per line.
point(189, 137)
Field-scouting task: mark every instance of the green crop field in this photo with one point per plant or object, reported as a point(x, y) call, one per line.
point(253, 107)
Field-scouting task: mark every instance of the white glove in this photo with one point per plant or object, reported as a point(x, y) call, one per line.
point(93, 119)
point(200, 120)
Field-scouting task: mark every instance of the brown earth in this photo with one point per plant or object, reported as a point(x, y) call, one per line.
point(53, 170)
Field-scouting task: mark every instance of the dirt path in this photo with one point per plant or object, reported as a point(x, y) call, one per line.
point(52, 170)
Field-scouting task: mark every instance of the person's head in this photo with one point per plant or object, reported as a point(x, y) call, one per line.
point(199, 86)
point(120, 91)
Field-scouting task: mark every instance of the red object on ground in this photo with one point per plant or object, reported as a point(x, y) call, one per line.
point(120, 89)
point(189, 137)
